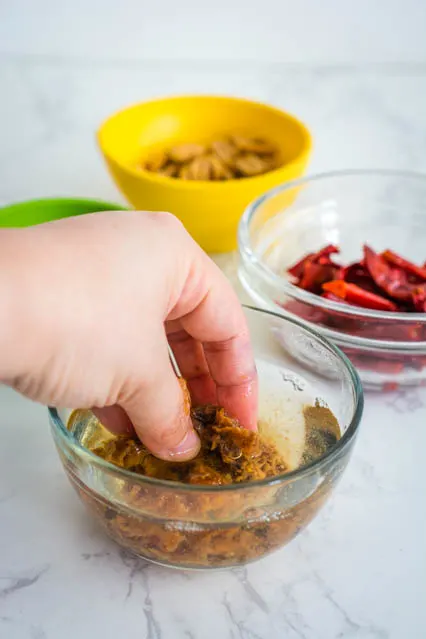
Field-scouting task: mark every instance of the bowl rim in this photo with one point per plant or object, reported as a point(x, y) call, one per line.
point(306, 143)
point(14, 208)
point(246, 252)
point(340, 446)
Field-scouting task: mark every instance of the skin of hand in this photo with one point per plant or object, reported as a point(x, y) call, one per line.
point(89, 306)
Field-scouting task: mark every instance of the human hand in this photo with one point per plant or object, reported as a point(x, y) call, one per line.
point(90, 305)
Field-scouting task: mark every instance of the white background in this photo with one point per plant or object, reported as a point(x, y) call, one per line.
point(275, 31)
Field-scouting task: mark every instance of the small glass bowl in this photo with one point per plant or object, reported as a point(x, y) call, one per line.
point(384, 209)
point(191, 526)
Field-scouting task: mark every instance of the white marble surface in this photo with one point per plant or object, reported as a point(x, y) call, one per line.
point(358, 572)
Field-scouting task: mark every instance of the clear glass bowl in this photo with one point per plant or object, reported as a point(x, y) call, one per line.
point(193, 526)
point(382, 208)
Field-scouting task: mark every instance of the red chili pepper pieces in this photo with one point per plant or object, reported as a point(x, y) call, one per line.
point(393, 281)
point(320, 257)
point(315, 275)
point(356, 273)
point(315, 269)
point(327, 251)
point(297, 269)
point(419, 300)
point(358, 296)
point(384, 281)
point(361, 284)
point(405, 265)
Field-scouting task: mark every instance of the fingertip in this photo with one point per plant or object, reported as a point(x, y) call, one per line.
point(167, 431)
point(185, 450)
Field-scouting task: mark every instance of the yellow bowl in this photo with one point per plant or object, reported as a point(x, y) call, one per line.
point(209, 210)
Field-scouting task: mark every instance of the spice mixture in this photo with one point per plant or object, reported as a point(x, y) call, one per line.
point(209, 529)
point(226, 159)
point(229, 454)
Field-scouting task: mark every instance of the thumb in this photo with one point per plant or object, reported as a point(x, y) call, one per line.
point(158, 406)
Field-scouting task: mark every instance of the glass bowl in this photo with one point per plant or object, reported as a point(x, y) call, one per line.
point(382, 208)
point(191, 526)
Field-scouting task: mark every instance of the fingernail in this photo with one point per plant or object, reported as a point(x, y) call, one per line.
point(187, 449)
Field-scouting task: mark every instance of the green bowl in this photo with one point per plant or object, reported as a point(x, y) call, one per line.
point(34, 212)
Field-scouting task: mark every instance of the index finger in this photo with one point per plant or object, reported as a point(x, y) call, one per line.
point(219, 323)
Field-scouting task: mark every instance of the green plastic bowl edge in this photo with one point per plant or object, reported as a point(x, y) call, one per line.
point(34, 212)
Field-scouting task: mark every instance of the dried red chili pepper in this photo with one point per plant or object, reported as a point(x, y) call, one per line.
point(356, 295)
point(315, 269)
point(356, 273)
point(320, 257)
point(315, 275)
point(393, 281)
point(328, 250)
point(419, 300)
point(385, 282)
point(297, 269)
point(405, 265)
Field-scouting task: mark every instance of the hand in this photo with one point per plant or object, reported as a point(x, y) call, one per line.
point(89, 307)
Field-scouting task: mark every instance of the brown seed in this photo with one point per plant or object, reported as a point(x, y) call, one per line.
point(219, 170)
point(253, 145)
point(225, 159)
point(156, 161)
point(198, 169)
point(250, 165)
point(185, 172)
point(225, 151)
point(185, 152)
point(169, 171)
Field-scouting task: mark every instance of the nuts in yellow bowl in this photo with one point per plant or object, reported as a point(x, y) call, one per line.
point(203, 158)
point(230, 158)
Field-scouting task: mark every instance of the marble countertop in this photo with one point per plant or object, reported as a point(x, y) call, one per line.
point(358, 571)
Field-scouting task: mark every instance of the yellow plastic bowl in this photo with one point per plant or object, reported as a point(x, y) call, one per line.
point(209, 210)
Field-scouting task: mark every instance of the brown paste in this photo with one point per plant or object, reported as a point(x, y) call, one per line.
point(229, 454)
point(220, 528)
